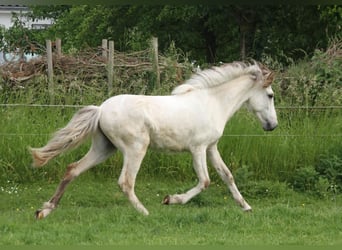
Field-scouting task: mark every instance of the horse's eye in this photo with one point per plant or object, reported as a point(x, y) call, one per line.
point(270, 96)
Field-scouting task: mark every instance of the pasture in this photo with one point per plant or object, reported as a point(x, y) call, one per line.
point(95, 212)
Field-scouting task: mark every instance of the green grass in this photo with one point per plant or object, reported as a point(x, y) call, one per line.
point(95, 212)
point(303, 137)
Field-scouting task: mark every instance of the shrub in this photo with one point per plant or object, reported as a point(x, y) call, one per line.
point(323, 179)
point(304, 179)
point(250, 187)
point(329, 166)
point(315, 82)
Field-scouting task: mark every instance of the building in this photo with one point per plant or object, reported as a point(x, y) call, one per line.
point(6, 13)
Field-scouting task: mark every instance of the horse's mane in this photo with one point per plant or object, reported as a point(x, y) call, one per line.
point(218, 75)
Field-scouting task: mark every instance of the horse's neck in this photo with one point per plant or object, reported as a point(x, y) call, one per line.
point(232, 95)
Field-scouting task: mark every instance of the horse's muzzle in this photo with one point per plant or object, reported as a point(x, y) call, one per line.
point(269, 126)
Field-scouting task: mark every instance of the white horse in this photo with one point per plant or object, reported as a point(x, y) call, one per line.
point(192, 118)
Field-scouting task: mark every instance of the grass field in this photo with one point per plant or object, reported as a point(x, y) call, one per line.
point(95, 212)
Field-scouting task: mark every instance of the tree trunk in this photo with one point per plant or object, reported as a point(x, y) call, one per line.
point(247, 24)
point(210, 45)
point(243, 46)
point(209, 38)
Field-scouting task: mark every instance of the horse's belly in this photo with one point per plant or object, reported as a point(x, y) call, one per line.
point(170, 142)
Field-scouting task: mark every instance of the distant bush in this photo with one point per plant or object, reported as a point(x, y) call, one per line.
point(323, 178)
point(304, 179)
point(250, 187)
point(315, 81)
point(329, 166)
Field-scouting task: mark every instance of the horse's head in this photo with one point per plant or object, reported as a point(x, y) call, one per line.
point(261, 101)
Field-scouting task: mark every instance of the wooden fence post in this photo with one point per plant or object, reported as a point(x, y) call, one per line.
point(104, 49)
point(110, 66)
point(59, 47)
point(50, 71)
point(155, 60)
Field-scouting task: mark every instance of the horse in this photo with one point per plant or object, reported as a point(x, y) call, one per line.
point(192, 118)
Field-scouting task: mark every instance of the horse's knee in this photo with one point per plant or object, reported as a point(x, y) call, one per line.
point(125, 186)
point(206, 183)
point(121, 184)
point(70, 172)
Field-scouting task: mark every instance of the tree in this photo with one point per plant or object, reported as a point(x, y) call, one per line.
point(292, 32)
point(16, 38)
point(209, 34)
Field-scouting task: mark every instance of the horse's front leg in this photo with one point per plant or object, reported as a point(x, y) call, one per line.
point(133, 156)
point(221, 168)
point(200, 166)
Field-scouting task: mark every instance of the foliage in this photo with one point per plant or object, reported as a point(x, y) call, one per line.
point(325, 178)
point(20, 39)
point(315, 81)
point(16, 37)
point(329, 166)
point(332, 16)
point(292, 33)
point(53, 12)
point(90, 25)
point(305, 179)
point(251, 188)
point(208, 33)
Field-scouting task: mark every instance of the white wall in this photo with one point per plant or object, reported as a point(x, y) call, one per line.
point(6, 17)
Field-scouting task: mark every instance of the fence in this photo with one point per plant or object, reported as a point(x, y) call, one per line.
point(108, 56)
point(103, 61)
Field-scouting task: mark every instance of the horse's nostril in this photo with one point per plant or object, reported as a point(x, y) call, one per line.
point(269, 127)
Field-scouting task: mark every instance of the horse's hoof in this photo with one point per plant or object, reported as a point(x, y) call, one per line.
point(39, 214)
point(166, 200)
point(248, 210)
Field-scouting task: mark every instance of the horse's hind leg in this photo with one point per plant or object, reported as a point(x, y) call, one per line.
point(100, 150)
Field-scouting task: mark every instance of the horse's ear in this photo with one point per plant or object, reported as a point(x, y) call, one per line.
point(267, 74)
point(268, 79)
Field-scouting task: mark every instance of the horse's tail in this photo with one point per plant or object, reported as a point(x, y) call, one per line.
point(81, 126)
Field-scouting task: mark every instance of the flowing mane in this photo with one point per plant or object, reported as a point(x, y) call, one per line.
point(218, 75)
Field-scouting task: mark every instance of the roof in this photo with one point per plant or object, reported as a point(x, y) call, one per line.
point(13, 8)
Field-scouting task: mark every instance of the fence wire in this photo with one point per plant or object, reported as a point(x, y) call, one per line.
point(224, 135)
point(80, 106)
